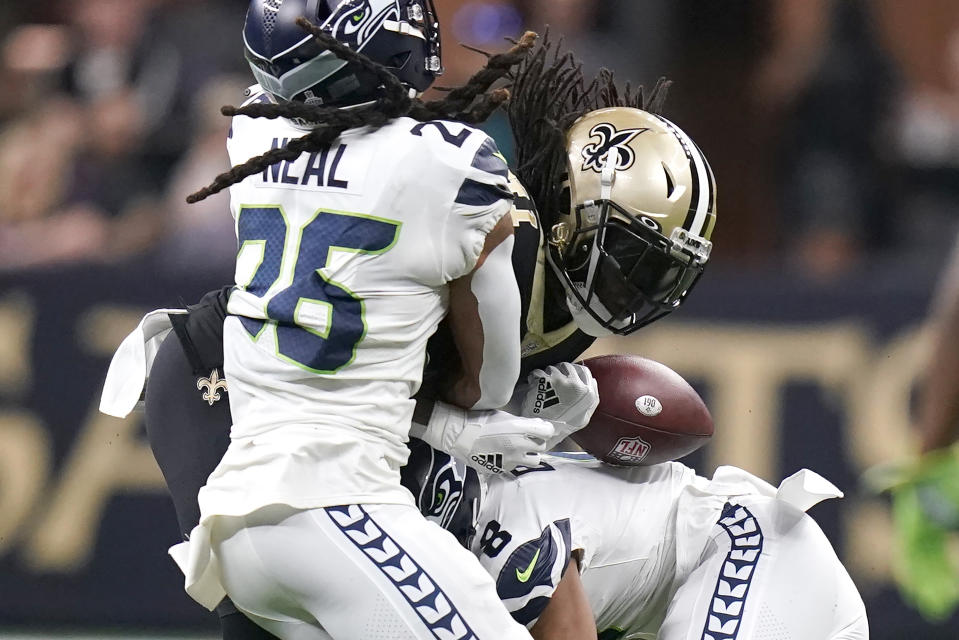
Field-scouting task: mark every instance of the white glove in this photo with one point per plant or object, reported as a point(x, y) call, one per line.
point(565, 395)
point(488, 441)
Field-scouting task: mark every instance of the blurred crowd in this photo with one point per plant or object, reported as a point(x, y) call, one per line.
point(832, 125)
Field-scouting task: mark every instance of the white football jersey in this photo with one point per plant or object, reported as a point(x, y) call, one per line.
point(642, 533)
point(621, 520)
point(341, 273)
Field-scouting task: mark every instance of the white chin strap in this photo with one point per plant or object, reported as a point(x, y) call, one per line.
point(583, 319)
point(608, 176)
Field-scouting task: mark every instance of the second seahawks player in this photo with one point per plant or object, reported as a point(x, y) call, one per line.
point(578, 547)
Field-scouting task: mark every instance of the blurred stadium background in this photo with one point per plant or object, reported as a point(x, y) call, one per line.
point(833, 130)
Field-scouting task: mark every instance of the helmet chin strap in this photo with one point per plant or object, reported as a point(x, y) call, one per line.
point(581, 317)
point(584, 321)
point(608, 176)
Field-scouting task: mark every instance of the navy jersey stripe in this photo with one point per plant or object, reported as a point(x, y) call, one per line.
point(532, 610)
point(725, 616)
point(477, 194)
point(488, 159)
point(433, 607)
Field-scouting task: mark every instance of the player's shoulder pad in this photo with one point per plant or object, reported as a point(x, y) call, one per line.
point(252, 95)
point(532, 571)
point(255, 93)
point(468, 149)
point(524, 209)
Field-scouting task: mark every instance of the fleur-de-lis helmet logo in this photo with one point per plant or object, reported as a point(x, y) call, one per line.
point(612, 143)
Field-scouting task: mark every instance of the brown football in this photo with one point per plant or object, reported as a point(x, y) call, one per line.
point(647, 413)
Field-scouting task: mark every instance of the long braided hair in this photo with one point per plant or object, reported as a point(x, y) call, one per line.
point(549, 92)
point(472, 103)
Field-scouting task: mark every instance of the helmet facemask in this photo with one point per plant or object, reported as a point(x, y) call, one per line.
point(626, 253)
point(621, 272)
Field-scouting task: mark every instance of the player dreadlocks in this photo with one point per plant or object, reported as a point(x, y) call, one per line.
point(627, 200)
point(549, 93)
point(472, 103)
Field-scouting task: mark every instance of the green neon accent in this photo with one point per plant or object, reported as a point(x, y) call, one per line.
point(397, 224)
point(396, 234)
point(243, 248)
point(612, 633)
point(259, 334)
point(283, 258)
point(329, 256)
point(329, 317)
point(352, 353)
point(525, 575)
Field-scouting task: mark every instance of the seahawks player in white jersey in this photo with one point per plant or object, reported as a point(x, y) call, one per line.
point(358, 230)
point(578, 547)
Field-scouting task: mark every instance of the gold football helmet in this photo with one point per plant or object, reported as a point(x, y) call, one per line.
point(642, 209)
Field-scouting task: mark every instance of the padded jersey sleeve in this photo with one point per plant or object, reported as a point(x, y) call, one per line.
point(234, 140)
point(524, 539)
point(482, 198)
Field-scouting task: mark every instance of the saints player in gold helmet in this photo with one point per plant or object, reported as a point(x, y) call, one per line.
point(636, 238)
point(625, 206)
point(613, 210)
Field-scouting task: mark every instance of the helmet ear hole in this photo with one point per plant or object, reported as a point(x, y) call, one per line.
point(398, 61)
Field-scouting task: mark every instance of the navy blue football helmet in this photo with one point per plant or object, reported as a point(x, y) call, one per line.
point(402, 35)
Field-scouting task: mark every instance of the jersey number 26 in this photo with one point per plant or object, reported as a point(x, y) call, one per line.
point(318, 322)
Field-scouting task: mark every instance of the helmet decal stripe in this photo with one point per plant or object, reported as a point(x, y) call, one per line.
point(701, 202)
point(711, 213)
point(704, 205)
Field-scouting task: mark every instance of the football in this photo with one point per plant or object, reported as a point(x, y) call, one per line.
point(647, 413)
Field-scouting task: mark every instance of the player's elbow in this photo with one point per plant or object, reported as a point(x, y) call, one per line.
point(497, 384)
point(492, 401)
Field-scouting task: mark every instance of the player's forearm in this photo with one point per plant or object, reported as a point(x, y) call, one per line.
point(568, 615)
point(484, 317)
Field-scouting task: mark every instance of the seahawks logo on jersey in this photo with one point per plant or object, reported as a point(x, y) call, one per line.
point(445, 490)
point(610, 140)
point(442, 488)
point(532, 572)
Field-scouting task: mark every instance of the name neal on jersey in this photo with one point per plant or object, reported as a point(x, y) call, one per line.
point(320, 169)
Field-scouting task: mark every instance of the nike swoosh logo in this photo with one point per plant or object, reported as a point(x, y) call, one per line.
point(524, 576)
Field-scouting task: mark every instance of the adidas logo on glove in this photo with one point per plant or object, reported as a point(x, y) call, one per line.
point(545, 396)
point(492, 462)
